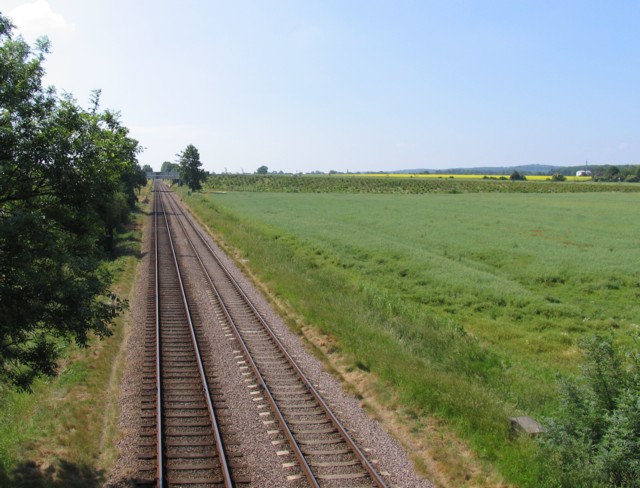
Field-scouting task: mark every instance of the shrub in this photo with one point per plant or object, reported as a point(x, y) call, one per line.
point(595, 438)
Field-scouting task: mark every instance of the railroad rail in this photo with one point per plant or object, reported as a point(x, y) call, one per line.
point(181, 434)
point(324, 451)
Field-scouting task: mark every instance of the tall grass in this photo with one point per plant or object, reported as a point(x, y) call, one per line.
point(464, 306)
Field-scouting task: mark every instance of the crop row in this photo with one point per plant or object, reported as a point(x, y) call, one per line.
point(466, 176)
point(354, 184)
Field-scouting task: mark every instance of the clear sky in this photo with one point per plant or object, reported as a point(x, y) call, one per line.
point(354, 85)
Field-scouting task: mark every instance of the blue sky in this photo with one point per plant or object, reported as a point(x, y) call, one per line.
point(355, 85)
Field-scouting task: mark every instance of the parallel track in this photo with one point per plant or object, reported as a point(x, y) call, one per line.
point(325, 453)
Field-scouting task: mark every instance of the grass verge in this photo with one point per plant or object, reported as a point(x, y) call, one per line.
point(64, 433)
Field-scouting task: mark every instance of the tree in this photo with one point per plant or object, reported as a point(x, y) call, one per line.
point(558, 177)
point(516, 176)
point(262, 170)
point(612, 173)
point(147, 168)
point(66, 180)
point(190, 171)
point(169, 167)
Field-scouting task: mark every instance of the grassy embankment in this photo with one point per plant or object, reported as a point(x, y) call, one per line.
point(64, 433)
point(464, 307)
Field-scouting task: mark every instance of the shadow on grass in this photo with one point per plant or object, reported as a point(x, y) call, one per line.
point(127, 251)
point(62, 474)
point(126, 245)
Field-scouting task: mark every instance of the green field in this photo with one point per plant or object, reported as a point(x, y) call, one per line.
point(467, 305)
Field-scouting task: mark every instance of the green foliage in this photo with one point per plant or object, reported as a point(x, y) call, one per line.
point(558, 177)
point(515, 176)
point(594, 440)
point(190, 171)
point(169, 167)
point(57, 427)
point(262, 170)
point(67, 178)
point(629, 174)
point(404, 186)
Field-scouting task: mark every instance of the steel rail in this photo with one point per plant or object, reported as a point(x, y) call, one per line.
point(159, 444)
point(281, 420)
point(226, 473)
point(334, 420)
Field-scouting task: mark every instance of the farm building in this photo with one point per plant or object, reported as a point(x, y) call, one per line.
point(583, 172)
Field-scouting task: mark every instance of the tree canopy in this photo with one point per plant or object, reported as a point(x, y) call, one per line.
point(630, 174)
point(169, 167)
point(68, 177)
point(190, 171)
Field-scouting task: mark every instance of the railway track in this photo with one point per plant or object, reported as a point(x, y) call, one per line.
point(183, 412)
point(301, 424)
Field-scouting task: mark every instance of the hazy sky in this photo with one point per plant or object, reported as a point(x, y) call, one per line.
point(355, 85)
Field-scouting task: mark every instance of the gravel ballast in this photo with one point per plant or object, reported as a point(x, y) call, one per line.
point(259, 443)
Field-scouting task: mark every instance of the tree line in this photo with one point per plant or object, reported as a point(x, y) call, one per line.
point(68, 177)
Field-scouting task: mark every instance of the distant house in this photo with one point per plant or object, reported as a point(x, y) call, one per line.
point(583, 172)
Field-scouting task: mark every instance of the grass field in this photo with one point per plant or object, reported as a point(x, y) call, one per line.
point(464, 306)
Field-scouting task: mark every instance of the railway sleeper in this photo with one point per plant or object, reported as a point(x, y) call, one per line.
point(206, 465)
point(186, 481)
point(186, 423)
point(320, 421)
point(320, 442)
point(297, 411)
point(205, 452)
point(330, 452)
point(345, 476)
point(189, 455)
point(333, 464)
point(325, 430)
point(188, 431)
point(182, 442)
point(184, 413)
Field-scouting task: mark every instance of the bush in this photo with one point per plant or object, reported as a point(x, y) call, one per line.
point(595, 438)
